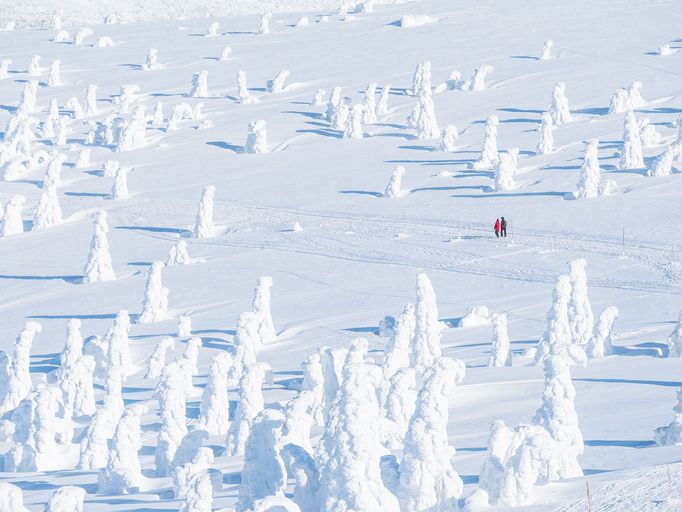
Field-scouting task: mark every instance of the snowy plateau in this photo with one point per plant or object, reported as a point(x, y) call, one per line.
point(248, 259)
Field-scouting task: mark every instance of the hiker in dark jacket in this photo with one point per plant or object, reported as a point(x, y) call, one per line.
point(503, 227)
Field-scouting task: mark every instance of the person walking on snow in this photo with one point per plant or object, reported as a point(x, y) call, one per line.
point(503, 227)
point(497, 228)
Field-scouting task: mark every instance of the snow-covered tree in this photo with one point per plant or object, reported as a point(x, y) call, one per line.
point(428, 480)
point(547, 50)
point(394, 187)
point(68, 498)
point(178, 255)
point(382, 105)
point(119, 190)
point(133, 134)
point(261, 308)
point(264, 472)
point(489, 154)
point(421, 80)
point(400, 397)
point(423, 116)
point(123, 473)
point(648, 133)
point(171, 393)
point(214, 409)
point(518, 459)
point(671, 435)
point(663, 164)
point(203, 227)
point(448, 138)
point(12, 220)
point(674, 341)
point(54, 77)
point(257, 137)
point(17, 384)
point(4, 68)
point(628, 98)
point(600, 343)
point(276, 85)
point(333, 104)
point(93, 447)
point(354, 125)
point(504, 173)
point(243, 94)
point(558, 109)
point(36, 429)
point(590, 184)
point(118, 344)
point(225, 53)
point(249, 405)
point(427, 330)
point(247, 345)
point(369, 104)
point(155, 303)
point(264, 24)
point(34, 68)
point(477, 82)
point(212, 30)
point(500, 350)
point(349, 451)
point(199, 85)
point(157, 360)
point(546, 143)
point(558, 416)
point(557, 339)
point(631, 155)
point(48, 213)
point(99, 267)
point(397, 353)
point(581, 318)
point(11, 498)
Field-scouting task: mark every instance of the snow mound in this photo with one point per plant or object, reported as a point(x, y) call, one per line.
point(415, 20)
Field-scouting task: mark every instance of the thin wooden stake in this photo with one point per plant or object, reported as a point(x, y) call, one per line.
point(589, 497)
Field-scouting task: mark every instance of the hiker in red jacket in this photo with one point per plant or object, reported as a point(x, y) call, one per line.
point(497, 228)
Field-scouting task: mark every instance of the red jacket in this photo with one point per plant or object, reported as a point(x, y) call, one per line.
point(497, 225)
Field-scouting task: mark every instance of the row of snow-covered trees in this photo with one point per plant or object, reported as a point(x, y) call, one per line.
point(384, 442)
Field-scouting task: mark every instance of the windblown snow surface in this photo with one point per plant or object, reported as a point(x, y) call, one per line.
point(355, 259)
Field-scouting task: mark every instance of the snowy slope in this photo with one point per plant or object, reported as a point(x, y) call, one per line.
point(356, 258)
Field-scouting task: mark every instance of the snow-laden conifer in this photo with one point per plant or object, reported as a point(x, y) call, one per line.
point(155, 303)
point(249, 405)
point(558, 108)
point(257, 137)
point(489, 154)
point(349, 451)
point(600, 344)
point(580, 315)
point(203, 227)
point(394, 186)
point(428, 479)
point(99, 267)
point(123, 472)
point(171, 394)
point(12, 219)
point(546, 142)
point(500, 350)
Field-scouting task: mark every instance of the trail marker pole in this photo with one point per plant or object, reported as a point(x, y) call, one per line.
point(589, 497)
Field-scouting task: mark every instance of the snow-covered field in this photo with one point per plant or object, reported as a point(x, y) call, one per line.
point(310, 212)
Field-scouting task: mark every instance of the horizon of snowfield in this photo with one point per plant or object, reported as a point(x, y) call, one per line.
point(38, 13)
point(248, 261)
